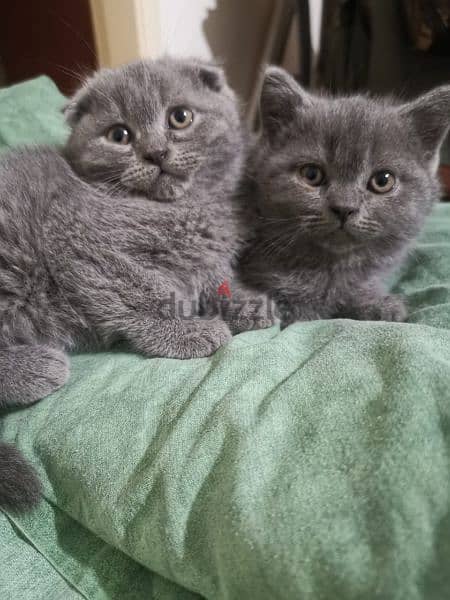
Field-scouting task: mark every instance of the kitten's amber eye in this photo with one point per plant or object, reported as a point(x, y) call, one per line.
point(119, 134)
point(181, 117)
point(382, 182)
point(312, 174)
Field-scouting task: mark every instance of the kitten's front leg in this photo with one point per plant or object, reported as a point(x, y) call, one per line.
point(373, 305)
point(387, 308)
point(292, 308)
point(246, 309)
point(178, 338)
point(290, 312)
point(147, 310)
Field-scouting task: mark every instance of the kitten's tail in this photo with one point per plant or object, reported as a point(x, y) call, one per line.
point(20, 488)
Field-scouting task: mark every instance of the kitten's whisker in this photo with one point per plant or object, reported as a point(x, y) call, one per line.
point(298, 221)
point(112, 179)
point(79, 76)
point(114, 191)
point(276, 242)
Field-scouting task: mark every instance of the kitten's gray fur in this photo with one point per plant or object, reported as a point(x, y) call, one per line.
point(314, 266)
point(95, 240)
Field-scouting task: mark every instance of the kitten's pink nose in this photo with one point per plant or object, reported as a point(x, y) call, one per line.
point(342, 212)
point(156, 156)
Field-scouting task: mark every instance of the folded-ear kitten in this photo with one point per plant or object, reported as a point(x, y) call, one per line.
point(101, 241)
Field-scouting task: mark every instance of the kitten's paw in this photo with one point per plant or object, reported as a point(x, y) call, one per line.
point(253, 313)
point(30, 373)
point(202, 338)
point(291, 314)
point(249, 323)
point(389, 308)
point(177, 338)
point(392, 308)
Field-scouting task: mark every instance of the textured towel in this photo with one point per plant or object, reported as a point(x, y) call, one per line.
point(31, 113)
point(311, 463)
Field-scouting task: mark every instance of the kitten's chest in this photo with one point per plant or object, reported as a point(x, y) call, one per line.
point(328, 283)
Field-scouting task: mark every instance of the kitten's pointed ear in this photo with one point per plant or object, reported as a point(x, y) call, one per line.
point(429, 115)
point(77, 105)
point(281, 97)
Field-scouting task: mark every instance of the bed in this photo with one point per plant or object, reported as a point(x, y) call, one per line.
point(311, 463)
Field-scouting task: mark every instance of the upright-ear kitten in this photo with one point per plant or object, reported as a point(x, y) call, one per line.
point(343, 186)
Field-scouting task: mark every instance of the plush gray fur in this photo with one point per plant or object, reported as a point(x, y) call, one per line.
point(101, 242)
point(326, 251)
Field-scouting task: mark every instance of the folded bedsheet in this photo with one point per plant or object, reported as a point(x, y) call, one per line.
point(311, 463)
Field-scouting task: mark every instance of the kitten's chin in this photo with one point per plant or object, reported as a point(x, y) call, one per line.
point(163, 187)
point(340, 241)
point(168, 188)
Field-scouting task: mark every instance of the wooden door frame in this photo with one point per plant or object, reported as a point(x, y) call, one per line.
point(125, 30)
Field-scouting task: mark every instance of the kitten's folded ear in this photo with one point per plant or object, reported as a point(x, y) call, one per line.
point(78, 104)
point(213, 77)
point(281, 97)
point(429, 115)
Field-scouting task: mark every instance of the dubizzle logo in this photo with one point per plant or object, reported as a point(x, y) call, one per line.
point(188, 307)
point(224, 289)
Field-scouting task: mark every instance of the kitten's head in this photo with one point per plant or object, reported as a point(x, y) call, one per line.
point(351, 171)
point(156, 128)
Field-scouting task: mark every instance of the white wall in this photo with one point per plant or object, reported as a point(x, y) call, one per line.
point(231, 31)
point(181, 27)
point(315, 19)
point(238, 33)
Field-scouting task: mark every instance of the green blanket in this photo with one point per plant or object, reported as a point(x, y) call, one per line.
point(307, 464)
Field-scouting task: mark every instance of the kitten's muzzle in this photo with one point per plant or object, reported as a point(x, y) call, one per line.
point(342, 213)
point(162, 159)
point(156, 157)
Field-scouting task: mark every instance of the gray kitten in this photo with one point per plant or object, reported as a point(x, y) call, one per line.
point(343, 186)
point(101, 242)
